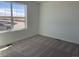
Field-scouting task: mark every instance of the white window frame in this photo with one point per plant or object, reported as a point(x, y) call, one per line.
point(11, 30)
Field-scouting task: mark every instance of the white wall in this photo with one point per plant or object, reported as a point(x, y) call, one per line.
point(32, 19)
point(60, 20)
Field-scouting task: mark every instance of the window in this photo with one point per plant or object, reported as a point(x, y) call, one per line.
point(12, 16)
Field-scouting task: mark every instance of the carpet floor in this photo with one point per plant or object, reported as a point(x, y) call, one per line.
point(41, 46)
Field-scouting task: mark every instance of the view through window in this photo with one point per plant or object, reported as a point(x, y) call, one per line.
point(12, 16)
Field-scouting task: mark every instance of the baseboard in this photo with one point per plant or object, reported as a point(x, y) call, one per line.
point(58, 38)
point(19, 39)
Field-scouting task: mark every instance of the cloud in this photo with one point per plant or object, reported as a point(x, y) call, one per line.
point(8, 12)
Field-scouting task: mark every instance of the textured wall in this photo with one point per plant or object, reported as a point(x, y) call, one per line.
point(60, 20)
point(32, 19)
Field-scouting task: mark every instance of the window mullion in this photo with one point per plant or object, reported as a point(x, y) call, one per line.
point(25, 17)
point(12, 26)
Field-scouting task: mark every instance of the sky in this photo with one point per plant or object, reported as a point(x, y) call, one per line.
point(18, 9)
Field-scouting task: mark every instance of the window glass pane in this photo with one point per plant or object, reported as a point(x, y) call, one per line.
point(5, 16)
point(18, 15)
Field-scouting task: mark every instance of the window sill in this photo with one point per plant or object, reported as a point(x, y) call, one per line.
point(13, 30)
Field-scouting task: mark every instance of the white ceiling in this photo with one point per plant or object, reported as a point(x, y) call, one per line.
point(40, 1)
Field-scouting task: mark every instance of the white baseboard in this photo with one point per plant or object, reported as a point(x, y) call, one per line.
point(64, 39)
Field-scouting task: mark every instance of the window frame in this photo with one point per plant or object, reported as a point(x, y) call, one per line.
point(12, 21)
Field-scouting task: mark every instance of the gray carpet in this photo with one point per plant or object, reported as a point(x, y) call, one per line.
point(41, 46)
